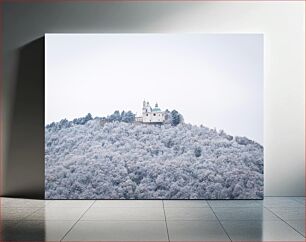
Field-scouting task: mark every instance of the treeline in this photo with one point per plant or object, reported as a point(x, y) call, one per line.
point(173, 118)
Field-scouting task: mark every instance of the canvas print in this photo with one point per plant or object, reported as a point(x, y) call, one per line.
point(154, 116)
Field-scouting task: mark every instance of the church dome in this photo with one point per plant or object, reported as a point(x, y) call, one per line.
point(156, 108)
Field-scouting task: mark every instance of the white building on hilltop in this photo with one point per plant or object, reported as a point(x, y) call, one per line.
point(151, 115)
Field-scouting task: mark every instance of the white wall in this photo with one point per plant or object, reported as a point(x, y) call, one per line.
point(283, 26)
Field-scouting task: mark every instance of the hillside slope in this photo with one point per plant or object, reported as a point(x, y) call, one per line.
point(118, 160)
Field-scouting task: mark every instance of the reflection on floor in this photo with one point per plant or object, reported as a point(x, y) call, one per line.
point(274, 219)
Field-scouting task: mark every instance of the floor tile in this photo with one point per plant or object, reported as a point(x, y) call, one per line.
point(23, 219)
point(7, 227)
point(21, 203)
point(118, 231)
point(185, 203)
point(40, 230)
point(189, 214)
point(235, 203)
point(124, 214)
point(300, 200)
point(290, 213)
point(69, 203)
point(128, 203)
point(281, 202)
point(16, 213)
point(57, 213)
point(261, 231)
point(244, 214)
point(6, 224)
point(196, 231)
point(298, 225)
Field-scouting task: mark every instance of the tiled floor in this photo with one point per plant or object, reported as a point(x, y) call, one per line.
point(274, 219)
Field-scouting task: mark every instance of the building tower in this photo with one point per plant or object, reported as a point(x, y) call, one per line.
point(144, 105)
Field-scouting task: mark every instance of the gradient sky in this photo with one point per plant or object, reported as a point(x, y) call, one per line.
point(212, 79)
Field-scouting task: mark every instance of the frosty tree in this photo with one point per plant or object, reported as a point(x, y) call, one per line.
point(122, 159)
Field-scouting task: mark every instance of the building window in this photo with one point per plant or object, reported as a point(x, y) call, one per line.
point(147, 114)
point(154, 114)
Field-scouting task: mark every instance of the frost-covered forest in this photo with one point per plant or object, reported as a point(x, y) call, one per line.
point(116, 158)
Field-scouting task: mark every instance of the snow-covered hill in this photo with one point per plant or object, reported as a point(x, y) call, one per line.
point(91, 159)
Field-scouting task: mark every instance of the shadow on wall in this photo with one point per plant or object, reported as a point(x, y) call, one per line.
point(26, 135)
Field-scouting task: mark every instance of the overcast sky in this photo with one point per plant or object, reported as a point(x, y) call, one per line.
point(212, 79)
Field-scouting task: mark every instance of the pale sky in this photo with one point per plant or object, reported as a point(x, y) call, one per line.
point(211, 79)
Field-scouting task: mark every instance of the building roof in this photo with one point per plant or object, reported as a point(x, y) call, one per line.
point(156, 110)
